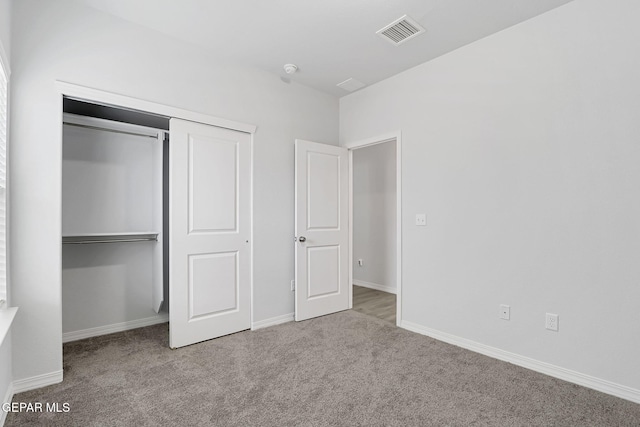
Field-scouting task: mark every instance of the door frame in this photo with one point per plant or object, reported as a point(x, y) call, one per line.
point(84, 93)
point(368, 142)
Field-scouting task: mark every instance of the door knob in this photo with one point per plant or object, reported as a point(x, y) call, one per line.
point(302, 239)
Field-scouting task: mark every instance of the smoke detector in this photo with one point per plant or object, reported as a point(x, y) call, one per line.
point(290, 68)
point(401, 30)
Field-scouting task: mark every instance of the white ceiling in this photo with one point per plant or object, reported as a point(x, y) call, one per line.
point(329, 40)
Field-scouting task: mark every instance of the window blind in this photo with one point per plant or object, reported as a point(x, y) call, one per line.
point(3, 181)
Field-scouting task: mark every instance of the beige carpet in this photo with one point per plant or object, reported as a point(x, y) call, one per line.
point(346, 369)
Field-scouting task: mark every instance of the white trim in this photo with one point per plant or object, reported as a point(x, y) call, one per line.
point(75, 119)
point(388, 137)
point(278, 320)
point(598, 384)
point(87, 93)
point(376, 286)
point(399, 227)
point(350, 228)
point(8, 397)
point(251, 244)
point(116, 327)
point(6, 319)
point(38, 381)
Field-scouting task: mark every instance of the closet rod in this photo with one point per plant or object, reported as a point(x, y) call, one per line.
point(82, 242)
point(114, 130)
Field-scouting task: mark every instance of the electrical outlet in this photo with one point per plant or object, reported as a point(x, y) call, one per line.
point(360, 262)
point(421, 219)
point(293, 285)
point(551, 322)
point(505, 312)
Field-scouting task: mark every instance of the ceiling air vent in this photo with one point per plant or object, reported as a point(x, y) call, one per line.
point(351, 84)
point(401, 30)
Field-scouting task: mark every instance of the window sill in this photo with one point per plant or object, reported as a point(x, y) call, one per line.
point(6, 319)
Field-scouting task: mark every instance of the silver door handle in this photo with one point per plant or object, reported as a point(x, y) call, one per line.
point(302, 239)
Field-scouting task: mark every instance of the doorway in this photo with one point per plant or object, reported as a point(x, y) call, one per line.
point(375, 211)
point(324, 202)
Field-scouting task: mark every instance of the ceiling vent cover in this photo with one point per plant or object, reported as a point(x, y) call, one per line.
point(401, 30)
point(351, 84)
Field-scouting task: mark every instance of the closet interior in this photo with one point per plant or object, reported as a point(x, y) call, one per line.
point(114, 212)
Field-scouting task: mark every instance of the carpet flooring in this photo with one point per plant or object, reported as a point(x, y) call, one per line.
point(345, 369)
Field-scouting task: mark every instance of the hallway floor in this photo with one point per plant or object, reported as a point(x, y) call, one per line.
point(375, 303)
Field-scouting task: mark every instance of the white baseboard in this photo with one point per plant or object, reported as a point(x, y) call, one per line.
point(116, 327)
point(8, 397)
point(376, 286)
point(37, 382)
point(594, 383)
point(272, 321)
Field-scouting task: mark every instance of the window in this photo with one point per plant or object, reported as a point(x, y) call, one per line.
point(4, 89)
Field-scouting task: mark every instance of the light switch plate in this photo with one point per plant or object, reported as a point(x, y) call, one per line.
point(421, 219)
point(505, 312)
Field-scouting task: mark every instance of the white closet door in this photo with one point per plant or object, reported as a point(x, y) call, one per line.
point(210, 231)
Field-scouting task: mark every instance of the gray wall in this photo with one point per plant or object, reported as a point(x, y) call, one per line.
point(5, 372)
point(522, 148)
point(374, 216)
point(64, 40)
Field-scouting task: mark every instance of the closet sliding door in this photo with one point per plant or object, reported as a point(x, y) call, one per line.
point(210, 232)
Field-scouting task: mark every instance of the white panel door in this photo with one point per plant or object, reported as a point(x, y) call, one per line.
point(322, 229)
point(209, 232)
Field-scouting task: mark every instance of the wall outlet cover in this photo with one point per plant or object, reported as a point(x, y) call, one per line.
point(551, 322)
point(421, 219)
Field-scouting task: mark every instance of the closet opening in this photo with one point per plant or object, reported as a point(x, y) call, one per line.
point(114, 219)
point(153, 230)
